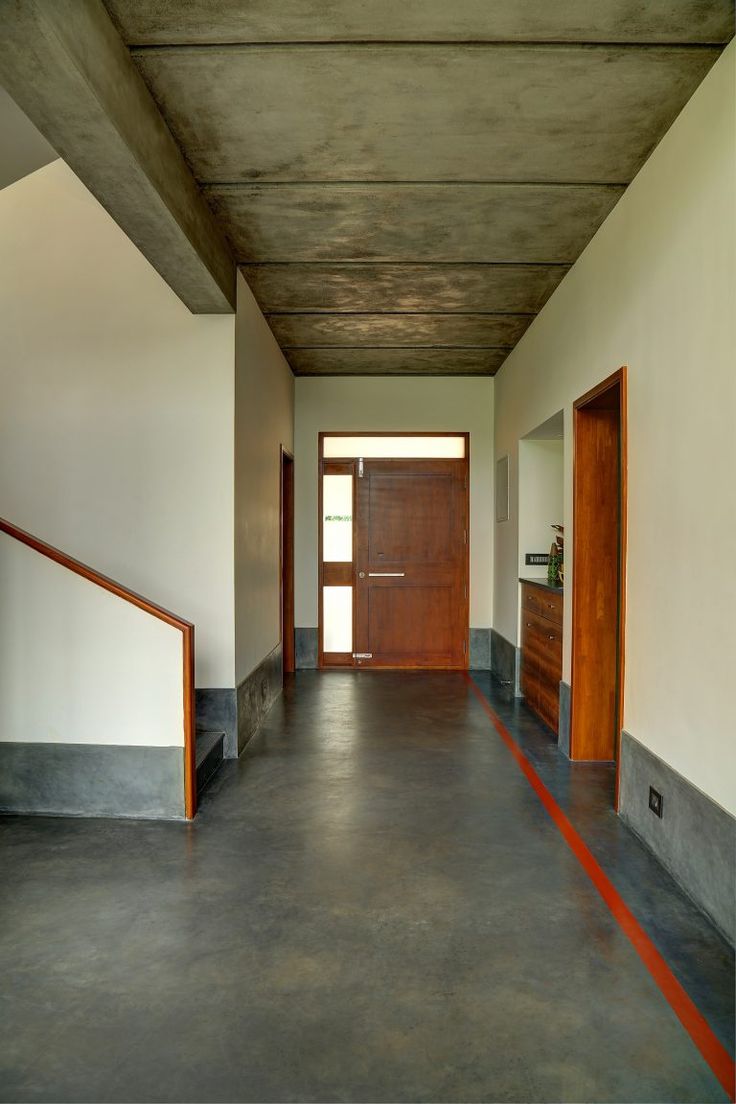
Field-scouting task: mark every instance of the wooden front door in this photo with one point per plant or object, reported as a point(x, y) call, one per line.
point(411, 564)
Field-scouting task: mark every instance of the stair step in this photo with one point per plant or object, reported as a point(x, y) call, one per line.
point(209, 754)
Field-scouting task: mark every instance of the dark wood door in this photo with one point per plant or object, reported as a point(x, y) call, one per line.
point(411, 564)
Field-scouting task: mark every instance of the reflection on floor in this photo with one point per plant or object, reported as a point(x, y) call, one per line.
point(372, 905)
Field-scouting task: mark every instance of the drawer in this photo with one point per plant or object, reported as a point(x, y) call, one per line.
point(540, 635)
point(547, 603)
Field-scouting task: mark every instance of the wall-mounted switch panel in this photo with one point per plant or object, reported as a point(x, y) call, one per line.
point(655, 802)
point(541, 558)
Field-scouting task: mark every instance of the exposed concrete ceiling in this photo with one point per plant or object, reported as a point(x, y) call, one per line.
point(405, 183)
point(63, 62)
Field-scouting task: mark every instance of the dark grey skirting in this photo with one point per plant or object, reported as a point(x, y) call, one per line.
point(563, 728)
point(505, 661)
point(480, 649)
point(257, 693)
point(105, 780)
point(695, 839)
point(217, 711)
point(307, 649)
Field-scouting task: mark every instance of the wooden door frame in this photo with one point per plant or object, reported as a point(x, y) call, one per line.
point(343, 460)
point(618, 379)
point(286, 560)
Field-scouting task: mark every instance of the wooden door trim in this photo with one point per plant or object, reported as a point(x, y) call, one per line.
point(348, 465)
point(286, 560)
point(619, 379)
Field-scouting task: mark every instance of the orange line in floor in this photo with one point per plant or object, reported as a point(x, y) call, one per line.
point(697, 1027)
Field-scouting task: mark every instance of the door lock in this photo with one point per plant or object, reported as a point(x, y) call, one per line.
point(361, 574)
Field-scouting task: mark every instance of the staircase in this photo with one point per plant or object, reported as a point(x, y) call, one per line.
point(209, 756)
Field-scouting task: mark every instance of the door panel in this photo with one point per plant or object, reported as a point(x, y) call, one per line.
point(404, 621)
point(410, 518)
point(411, 564)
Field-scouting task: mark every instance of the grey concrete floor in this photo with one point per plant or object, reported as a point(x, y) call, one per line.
point(372, 905)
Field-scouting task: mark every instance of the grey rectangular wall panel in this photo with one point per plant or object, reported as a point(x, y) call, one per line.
point(695, 838)
point(480, 649)
point(535, 223)
point(104, 780)
point(302, 286)
point(257, 693)
point(467, 112)
point(217, 711)
point(302, 330)
point(307, 648)
point(505, 660)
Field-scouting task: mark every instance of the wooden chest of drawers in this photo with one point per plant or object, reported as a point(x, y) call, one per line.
point(541, 650)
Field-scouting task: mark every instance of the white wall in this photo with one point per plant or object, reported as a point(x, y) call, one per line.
point(656, 290)
point(79, 665)
point(541, 483)
point(264, 421)
point(394, 403)
point(116, 420)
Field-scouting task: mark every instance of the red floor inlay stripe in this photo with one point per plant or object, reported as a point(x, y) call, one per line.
point(712, 1050)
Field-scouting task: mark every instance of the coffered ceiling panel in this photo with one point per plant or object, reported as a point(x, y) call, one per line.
point(410, 222)
point(406, 183)
point(293, 330)
point(225, 21)
point(365, 112)
point(329, 287)
point(366, 361)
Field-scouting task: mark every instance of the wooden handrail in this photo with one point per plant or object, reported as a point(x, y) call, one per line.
point(185, 627)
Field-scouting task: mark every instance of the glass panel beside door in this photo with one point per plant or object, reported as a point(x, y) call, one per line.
point(337, 497)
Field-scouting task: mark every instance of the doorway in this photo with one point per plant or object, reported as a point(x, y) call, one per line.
point(287, 561)
point(394, 550)
point(599, 570)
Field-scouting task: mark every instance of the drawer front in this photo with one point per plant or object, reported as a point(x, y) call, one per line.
point(546, 603)
point(541, 665)
point(531, 598)
point(541, 636)
point(551, 606)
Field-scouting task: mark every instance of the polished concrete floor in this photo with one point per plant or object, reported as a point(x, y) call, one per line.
point(372, 905)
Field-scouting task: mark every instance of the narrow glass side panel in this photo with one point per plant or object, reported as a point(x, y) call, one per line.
point(337, 619)
point(337, 519)
point(395, 448)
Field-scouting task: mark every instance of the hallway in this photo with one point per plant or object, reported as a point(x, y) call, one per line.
point(371, 905)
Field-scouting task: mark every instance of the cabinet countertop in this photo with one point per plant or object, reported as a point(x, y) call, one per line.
point(542, 583)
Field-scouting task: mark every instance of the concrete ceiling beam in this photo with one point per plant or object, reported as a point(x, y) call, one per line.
point(64, 63)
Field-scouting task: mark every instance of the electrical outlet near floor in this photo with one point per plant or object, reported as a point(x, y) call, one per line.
point(655, 802)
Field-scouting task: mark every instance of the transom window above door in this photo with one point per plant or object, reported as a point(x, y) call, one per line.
point(395, 447)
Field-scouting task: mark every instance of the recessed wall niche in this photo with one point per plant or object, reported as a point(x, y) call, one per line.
point(541, 487)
